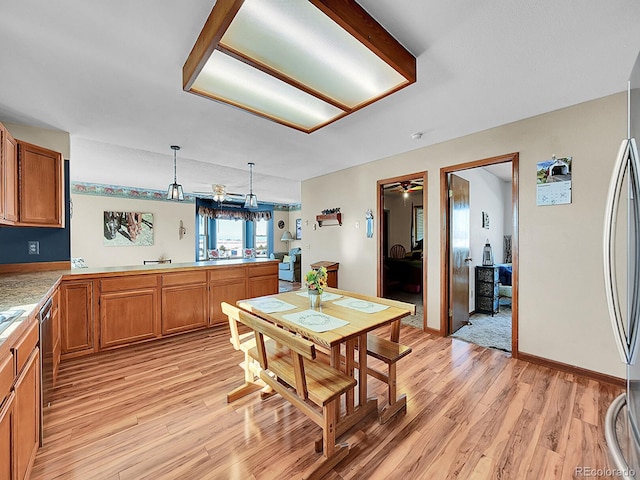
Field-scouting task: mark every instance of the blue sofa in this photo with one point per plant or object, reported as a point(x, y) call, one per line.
point(290, 270)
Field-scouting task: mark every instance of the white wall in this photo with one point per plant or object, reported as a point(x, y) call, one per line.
point(486, 194)
point(87, 231)
point(562, 308)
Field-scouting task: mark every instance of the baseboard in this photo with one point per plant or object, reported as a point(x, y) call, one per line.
point(35, 267)
point(565, 367)
point(434, 331)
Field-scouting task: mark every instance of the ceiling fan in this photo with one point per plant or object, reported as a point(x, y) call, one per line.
point(218, 193)
point(404, 187)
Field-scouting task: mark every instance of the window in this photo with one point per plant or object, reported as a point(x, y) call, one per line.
point(229, 237)
point(418, 225)
point(203, 238)
point(261, 240)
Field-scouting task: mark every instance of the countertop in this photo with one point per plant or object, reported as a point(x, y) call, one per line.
point(28, 291)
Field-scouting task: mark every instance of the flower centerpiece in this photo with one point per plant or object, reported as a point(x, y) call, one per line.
point(315, 281)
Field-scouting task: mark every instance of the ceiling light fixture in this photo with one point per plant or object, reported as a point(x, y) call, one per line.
point(251, 201)
point(175, 189)
point(219, 193)
point(301, 63)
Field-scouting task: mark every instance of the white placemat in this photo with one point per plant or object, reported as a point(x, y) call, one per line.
point(361, 305)
point(326, 296)
point(315, 320)
point(270, 305)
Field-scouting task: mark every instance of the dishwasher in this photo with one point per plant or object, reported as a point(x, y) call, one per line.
point(46, 362)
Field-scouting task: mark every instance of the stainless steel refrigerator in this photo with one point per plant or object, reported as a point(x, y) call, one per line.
point(622, 281)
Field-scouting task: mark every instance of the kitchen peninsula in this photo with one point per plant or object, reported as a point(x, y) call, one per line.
point(99, 309)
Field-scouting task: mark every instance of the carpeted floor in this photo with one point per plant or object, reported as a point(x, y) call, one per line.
point(488, 331)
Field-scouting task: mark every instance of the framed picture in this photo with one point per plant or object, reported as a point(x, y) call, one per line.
point(485, 220)
point(123, 229)
point(298, 229)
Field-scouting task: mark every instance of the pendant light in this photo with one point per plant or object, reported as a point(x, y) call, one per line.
point(251, 201)
point(175, 189)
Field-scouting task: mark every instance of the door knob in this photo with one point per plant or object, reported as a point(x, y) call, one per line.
point(468, 259)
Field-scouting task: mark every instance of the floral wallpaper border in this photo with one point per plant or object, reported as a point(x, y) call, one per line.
point(119, 191)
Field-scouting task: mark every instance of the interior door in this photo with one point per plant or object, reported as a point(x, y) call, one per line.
point(459, 239)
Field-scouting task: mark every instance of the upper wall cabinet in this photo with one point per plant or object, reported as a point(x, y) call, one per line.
point(40, 186)
point(8, 177)
point(31, 184)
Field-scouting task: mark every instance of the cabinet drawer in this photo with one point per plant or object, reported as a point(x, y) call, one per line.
point(487, 289)
point(6, 375)
point(487, 274)
point(184, 278)
point(487, 304)
point(261, 270)
point(226, 273)
point(134, 282)
point(25, 346)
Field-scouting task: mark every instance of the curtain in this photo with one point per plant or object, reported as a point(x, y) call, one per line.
point(230, 213)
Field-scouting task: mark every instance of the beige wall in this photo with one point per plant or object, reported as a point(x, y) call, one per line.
point(87, 231)
point(563, 313)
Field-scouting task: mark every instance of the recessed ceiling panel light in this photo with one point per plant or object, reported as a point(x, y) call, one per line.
point(303, 63)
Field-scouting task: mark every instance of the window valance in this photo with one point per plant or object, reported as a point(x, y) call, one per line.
point(233, 213)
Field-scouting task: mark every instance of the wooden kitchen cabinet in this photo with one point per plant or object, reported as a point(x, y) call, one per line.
point(263, 280)
point(184, 301)
point(26, 434)
point(129, 310)
point(7, 447)
point(226, 285)
point(41, 193)
point(9, 178)
point(76, 318)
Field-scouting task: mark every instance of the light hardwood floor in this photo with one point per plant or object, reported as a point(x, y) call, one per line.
point(158, 411)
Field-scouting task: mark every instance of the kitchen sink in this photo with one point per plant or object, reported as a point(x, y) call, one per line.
point(7, 318)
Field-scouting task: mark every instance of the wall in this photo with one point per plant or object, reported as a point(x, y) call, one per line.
point(87, 231)
point(562, 308)
point(54, 242)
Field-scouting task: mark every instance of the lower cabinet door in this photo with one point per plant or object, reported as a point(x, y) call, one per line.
point(128, 316)
point(225, 292)
point(184, 308)
point(26, 434)
point(7, 420)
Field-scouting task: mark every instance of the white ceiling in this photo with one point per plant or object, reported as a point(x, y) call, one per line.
point(109, 73)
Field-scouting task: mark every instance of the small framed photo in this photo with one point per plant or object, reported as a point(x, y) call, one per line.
point(298, 229)
point(485, 220)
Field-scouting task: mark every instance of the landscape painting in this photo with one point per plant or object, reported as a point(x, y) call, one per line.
point(128, 229)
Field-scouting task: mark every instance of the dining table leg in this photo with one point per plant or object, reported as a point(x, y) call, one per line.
point(349, 370)
point(362, 369)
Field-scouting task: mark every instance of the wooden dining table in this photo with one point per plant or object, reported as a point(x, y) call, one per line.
point(362, 314)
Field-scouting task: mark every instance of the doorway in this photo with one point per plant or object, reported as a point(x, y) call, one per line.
point(460, 292)
point(402, 207)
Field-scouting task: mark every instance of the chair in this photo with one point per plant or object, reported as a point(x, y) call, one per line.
point(289, 270)
point(397, 251)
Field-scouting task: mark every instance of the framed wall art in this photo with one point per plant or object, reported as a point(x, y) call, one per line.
point(298, 229)
point(127, 229)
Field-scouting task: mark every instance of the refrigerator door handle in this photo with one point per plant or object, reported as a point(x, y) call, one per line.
point(611, 288)
point(634, 313)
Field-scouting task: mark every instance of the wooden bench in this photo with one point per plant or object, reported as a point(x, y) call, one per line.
point(288, 365)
